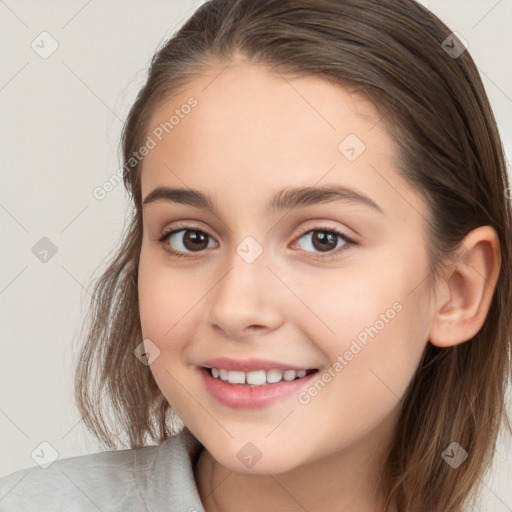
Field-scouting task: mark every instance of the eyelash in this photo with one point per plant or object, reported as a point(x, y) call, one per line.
point(180, 255)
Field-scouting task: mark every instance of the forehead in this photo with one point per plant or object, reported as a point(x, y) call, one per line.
point(252, 99)
point(270, 131)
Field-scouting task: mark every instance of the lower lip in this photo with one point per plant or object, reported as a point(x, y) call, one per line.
point(247, 397)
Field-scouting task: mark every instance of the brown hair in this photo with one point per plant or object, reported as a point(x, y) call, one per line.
point(434, 105)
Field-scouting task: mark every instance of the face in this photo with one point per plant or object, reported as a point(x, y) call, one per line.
point(333, 283)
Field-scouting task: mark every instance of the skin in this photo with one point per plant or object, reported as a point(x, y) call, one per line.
point(252, 133)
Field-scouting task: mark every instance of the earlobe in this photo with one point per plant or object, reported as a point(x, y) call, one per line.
point(471, 280)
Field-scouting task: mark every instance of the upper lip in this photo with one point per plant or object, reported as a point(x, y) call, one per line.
point(248, 365)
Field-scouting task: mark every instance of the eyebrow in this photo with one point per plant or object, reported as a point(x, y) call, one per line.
point(288, 198)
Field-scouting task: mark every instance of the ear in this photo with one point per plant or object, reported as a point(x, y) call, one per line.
point(468, 285)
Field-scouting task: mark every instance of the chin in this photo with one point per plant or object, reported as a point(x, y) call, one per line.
point(273, 464)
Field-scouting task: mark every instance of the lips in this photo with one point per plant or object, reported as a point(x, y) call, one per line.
point(253, 392)
point(244, 396)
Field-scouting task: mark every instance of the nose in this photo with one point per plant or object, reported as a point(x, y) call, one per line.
point(247, 299)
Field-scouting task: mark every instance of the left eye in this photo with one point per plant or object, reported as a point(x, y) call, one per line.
point(324, 240)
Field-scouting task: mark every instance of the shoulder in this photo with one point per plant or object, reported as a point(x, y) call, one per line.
point(96, 479)
point(119, 480)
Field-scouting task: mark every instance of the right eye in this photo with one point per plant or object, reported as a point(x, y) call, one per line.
point(186, 239)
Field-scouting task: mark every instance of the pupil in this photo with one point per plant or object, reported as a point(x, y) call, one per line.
point(323, 239)
point(197, 239)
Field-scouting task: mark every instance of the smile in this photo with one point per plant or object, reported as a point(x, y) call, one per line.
point(257, 377)
point(255, 389)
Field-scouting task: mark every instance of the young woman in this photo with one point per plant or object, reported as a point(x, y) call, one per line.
point(311, 308)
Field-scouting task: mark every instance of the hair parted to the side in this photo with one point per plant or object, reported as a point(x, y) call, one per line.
point(448, 148)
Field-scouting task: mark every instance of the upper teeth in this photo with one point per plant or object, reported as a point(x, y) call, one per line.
point(258, 377)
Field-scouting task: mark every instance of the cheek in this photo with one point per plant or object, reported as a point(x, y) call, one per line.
point(167, 300)
point(373, 330)
point(384, 301)
point(169, 314)
point(344, 305)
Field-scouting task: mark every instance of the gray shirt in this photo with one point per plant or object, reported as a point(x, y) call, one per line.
point(153, 479)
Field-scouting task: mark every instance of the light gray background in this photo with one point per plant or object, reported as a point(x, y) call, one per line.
point(61, 121)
